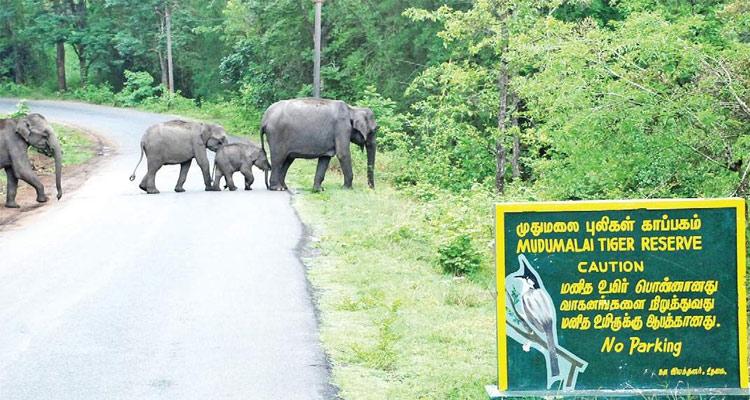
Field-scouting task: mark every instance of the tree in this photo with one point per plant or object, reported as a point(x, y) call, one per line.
point(483, 33)
point(649, 87)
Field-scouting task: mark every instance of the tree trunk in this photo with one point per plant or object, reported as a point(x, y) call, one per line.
point(17, 62)
point(516, 157)
point(744, 186)
point(18, 68)
point(62, 84)
point(316, 61)
point(80, 11)
point(502, 86)
point(162, 59)
point(83, 66)
point(164, 73)
point(170, 67)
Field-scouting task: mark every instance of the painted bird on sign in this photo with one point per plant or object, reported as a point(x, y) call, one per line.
point(539, 312)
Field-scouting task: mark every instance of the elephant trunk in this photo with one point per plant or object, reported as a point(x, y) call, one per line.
point(265, 179)
point(57, 154)
point(371, 150)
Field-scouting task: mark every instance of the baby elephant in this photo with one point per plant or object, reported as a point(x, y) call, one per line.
point(238, 157)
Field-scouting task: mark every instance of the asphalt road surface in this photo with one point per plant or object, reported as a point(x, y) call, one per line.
point(114, 294)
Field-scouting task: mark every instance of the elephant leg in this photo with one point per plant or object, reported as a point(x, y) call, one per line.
point(10, 198)
point(276, 168)
point(284, 169)
point(217, 180)
point(320, 173)
point(28, 176)
point(202, 161)
point(143, 183)
point(247, 172)
point(153, 168)
point(184, 168)
point(230, 182)
point(345, 159)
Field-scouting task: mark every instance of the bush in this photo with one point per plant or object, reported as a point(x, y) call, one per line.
point(169, 102)
point(11, 89)
point(138, 89)
point(97, 94)
point(459, 257)
point(391, 123)
point(22, 110)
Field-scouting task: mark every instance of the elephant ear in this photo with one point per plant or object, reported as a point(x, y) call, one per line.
point(252, 154)
point(205, 131)
point(23, 129)
point(358, 121)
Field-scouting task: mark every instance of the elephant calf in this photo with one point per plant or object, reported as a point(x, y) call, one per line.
point(16, 135)
point(238, 157)
point(178, 142)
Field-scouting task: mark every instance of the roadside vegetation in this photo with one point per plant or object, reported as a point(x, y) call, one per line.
point(479, 102)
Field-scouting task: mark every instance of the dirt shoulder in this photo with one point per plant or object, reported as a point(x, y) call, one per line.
point(83, 152)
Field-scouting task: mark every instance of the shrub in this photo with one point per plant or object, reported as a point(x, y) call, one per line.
point(138, 89)
point(98, 94)
point(22, 110)
point(11, 89)
point(459, 257)
point(391, 123)
point(169, 101)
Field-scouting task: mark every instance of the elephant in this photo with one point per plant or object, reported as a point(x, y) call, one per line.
point(16, 135)
point(239, 157)
point(178, 142)
point(317, 128)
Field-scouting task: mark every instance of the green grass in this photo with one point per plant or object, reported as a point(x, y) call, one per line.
point(395, 327)
point(77, 146)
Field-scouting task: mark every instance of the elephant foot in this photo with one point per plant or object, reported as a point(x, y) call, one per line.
point(248, 188)
point(277, 188)
point(179, 190)
point(318, 189)
point(232, 188)
point(42, 199)
point(143, 188)
point(347, 187)
point(152, 191)
point(12, 205)
point(211, 189)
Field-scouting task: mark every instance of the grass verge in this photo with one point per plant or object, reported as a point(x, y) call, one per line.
point(394, 326)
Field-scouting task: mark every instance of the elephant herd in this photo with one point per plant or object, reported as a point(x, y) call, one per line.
point(297, 128)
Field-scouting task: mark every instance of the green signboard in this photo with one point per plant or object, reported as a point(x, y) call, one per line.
point(621, 297)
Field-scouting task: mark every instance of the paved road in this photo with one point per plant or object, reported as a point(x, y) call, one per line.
point(115, 294)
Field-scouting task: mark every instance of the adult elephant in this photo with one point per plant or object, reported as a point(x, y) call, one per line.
point(178, 142)
point(16, 135)
point(317, 128)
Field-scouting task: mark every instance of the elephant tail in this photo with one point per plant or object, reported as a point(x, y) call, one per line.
point(262, 136)
point(132, 177)
point(263, 147)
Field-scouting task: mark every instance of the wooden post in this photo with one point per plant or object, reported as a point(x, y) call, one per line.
point(170, 69)
point(316, 73)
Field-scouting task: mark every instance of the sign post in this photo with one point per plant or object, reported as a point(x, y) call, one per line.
point(608, 298)
point(316, 66)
